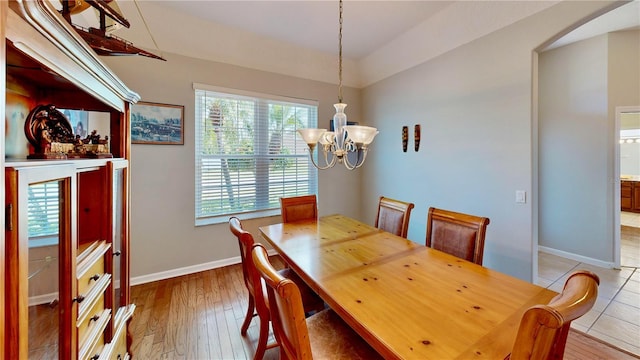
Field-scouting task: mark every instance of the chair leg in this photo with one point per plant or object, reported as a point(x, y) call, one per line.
point(262, 338)
point(248, 317)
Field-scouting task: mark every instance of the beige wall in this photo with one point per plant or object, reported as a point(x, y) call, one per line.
point(163, 236)
point(624, 69)
point(475, 108)
point(574, 147)
point(583, 84)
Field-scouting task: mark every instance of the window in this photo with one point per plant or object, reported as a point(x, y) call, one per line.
point(248, 153)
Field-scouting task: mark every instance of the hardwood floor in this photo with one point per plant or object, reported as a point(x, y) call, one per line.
point(198, 317)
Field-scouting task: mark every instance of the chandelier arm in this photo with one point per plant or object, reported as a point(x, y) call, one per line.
point(347, 163)
point(327, 166)
point(364, 156)
point(326, 150)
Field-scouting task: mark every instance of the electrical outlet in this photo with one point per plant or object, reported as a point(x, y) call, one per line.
point(521, 196)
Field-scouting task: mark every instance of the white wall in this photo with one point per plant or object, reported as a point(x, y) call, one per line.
point(163, 235)
point(475, 107)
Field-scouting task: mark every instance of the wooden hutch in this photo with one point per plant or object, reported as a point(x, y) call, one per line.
point(64, 295)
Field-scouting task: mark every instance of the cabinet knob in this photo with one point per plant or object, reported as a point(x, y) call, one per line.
point(95, 357)
point(94, 318)
point(117, 253)
point(78, 299)
point(95, 277)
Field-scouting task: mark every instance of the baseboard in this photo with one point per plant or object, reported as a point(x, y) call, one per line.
point(576, 257)
point(138, 280)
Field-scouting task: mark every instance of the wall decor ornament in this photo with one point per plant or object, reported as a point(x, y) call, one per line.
point(405, 138)
point(416, 137)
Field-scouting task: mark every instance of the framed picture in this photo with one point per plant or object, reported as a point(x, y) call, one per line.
point(154, 123)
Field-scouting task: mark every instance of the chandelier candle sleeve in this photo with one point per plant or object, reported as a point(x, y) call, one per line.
point(339, 122)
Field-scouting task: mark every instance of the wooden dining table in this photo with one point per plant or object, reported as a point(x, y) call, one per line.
point(406, 300)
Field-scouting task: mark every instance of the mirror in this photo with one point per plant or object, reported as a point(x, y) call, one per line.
point(629, 144)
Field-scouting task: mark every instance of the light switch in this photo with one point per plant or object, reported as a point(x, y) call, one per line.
point(521, 196)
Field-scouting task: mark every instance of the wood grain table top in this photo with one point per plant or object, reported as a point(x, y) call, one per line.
point(407, 300)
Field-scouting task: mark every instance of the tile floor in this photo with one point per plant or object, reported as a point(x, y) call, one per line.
point(615, 318)
point(630, 219)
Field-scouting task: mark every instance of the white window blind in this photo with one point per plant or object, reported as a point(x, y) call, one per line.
point(248, 153)
point(43, 209)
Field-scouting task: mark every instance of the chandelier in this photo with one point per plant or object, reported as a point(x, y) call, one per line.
point(337, 145)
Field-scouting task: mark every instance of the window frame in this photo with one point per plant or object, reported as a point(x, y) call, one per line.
point(261, 128)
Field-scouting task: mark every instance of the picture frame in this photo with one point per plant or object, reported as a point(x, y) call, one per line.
point(157, 123)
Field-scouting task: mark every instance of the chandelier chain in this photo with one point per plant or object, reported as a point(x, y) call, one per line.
point(340, 58)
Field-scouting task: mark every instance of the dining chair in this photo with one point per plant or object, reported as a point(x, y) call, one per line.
point(322, 336)
point(297, 208)
point(393, 216)
point(458, 234)
point(257, 296)
point(543, 329)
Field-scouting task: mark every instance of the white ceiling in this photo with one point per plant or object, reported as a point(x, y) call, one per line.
point(367, 25)
point(300, 38)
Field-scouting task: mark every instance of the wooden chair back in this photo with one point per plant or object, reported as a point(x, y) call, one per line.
point(298, 208)
point(544, 328)
point(393, 216)
point(251, 276)
point(456, 233)
point(287, 312)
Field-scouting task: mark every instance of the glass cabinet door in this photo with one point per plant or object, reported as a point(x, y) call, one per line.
point(43, 218)
point(40, 240)
point(117, 170)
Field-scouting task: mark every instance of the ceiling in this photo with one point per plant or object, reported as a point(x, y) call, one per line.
point(367, 25)
point(300, 38)
point(622, 18)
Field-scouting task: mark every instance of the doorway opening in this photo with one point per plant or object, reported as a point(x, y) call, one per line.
point(627, 235)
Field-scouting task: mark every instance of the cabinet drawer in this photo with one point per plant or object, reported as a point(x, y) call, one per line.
point(91, 266)
point(93, 345)
point(117, 348)
point(91, 276)
point(93, 316)
point(95, 352)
